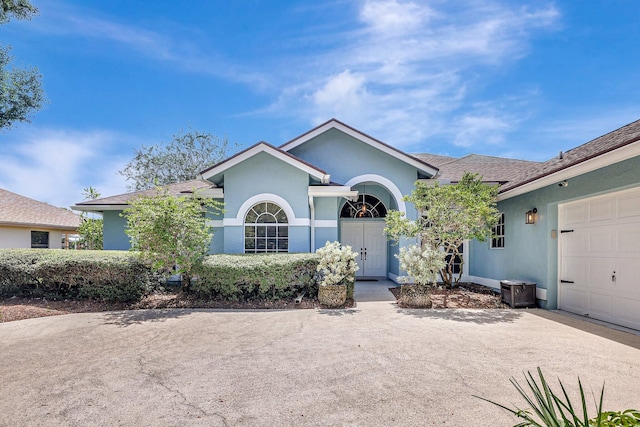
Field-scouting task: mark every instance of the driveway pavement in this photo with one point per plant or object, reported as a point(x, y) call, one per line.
point(374, 365)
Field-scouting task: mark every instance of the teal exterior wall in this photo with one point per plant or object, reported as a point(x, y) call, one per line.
point(265, 174)
point(113, 227)
point(530, 252)
point(345, 157)
point(326, 209)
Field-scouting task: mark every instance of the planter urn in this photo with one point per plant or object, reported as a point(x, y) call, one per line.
point(332, 295)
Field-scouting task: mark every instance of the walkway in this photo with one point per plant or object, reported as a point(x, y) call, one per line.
point(369, 291)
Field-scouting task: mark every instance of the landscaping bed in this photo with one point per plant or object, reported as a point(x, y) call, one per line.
point(465, 295)
point(25, 308)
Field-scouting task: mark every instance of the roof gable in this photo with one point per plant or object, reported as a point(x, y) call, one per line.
point(17, 210)
point(362, 137)
point(264, 147)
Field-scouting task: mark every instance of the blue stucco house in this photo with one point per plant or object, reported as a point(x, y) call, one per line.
point(571, 224)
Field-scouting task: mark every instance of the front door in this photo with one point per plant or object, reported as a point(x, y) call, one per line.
point(367, 239)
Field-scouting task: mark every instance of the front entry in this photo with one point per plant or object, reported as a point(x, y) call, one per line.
point(362, 228)
point(367, 238)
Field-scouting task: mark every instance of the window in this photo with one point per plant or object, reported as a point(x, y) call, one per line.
point(266, 229)
point(40, 239)
point(497, 233)
point(366, 206)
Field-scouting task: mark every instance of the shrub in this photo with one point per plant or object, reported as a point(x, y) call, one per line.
point(550, 409)
point(110, 276)
point(255, 277)
point(423, 265)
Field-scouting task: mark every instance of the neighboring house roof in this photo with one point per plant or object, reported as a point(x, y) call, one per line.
point(363, 137)
point(615, 146)
point(265, 147)
point(122, 200)
point(21, 211)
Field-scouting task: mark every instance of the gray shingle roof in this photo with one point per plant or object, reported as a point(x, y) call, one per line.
point(494, 169)
point(17, 210)
point(604, 144)
point(178, 189)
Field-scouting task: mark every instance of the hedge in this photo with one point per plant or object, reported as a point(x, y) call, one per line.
point(111, 276)
point(256, 277)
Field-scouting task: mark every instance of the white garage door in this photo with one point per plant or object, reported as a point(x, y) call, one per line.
point(600, 257)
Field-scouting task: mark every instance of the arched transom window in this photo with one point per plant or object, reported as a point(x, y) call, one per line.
point(266, 229)
point(367, 206)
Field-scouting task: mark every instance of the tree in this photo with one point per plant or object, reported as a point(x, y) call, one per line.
point(21, 91)
point(449, 215)
point(90, 229)
point(180, 160)
point(170, 233)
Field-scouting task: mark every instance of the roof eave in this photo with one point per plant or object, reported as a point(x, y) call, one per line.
point(588, 165)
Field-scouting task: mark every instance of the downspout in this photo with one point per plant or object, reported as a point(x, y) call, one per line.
point(312, 210)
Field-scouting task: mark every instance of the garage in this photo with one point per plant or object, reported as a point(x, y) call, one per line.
point(599, 257)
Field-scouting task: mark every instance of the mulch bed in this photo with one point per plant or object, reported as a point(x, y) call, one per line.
point(466, 295)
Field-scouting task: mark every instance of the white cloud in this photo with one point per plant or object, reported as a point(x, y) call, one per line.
point(409, 69)
point(54, 166)
point(393, 17)
point(480, 129)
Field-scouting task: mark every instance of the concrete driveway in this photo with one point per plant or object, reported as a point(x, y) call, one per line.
point(374, 365)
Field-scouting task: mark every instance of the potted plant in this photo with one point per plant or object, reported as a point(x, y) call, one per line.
point(337, 268)
point(422, 266)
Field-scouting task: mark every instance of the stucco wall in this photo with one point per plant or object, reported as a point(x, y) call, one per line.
point(20, 238)
point(531, 253)
point(355, 159)
point(115, 237)
point(262, 177)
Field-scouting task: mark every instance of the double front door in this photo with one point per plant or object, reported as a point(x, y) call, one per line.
point(367, 239)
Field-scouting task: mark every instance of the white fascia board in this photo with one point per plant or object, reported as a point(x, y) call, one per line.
point(332, 191)
point(260, 148)
point(607, 159)
point(361, 137)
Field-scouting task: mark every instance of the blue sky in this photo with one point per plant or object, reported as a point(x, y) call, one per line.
point(516, 79)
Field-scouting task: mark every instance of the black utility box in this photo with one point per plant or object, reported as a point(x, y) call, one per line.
point(518, 294)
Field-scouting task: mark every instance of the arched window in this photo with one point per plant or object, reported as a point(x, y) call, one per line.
point(266, 229)
point(367, 206)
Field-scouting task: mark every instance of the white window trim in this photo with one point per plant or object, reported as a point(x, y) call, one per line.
point(503, 235)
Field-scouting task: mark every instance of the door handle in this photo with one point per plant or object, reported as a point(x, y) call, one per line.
point(361, 254)
point(613, 277)
point(365, 254)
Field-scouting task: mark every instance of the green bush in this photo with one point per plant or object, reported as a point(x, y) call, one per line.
point(546, 408)
point(111, 276)
point(256, 277)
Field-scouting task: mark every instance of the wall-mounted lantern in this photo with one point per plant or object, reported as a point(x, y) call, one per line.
point(531, 216)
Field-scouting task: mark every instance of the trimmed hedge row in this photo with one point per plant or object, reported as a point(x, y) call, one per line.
point(256, 277)
point(119, 276)
point(111, 276)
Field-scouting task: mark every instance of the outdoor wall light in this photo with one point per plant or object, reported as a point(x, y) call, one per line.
point(531, 216)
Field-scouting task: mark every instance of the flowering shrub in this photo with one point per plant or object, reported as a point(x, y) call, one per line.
point(337, 264)
point(423, 265)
